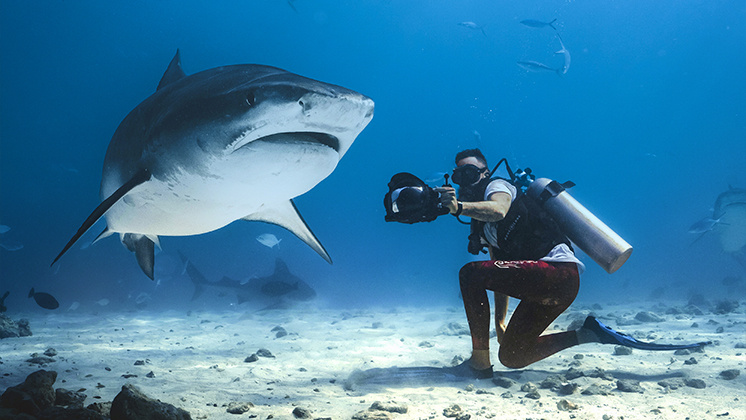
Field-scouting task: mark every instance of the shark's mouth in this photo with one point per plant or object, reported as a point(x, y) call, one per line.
point(303, 137)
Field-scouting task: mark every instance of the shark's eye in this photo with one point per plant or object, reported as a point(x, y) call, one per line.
point(250, 98)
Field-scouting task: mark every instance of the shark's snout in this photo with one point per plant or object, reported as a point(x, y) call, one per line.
point(322, 105)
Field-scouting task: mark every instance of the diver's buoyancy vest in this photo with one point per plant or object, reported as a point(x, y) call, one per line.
point(527, 232)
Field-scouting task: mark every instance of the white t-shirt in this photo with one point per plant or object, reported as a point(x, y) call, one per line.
point(560, 253)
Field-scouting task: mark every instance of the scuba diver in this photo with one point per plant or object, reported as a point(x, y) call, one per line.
point(531, 259)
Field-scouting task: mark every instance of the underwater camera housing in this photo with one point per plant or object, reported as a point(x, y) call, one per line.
point(410, 200)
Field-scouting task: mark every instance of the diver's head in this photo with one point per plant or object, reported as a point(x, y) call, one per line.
point(471, 175)
point(471, 168)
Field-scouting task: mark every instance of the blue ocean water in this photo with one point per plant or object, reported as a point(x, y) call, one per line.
point(649, 121)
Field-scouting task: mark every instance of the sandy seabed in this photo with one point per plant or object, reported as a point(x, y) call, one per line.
point(336, 363)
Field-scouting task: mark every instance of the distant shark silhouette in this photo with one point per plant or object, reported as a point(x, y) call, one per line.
point(280, 284)
point(472, 25)
point(531, 65)
point(228, 143)
point(566, 54)
point(728, 221)
point(536, 66)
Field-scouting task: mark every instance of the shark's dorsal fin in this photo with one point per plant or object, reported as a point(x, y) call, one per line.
point(136, 180)
point(287, 216)
point(281, 267)
point(173, 73)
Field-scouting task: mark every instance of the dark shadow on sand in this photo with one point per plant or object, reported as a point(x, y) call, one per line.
point(423, 376)
point(403, 376)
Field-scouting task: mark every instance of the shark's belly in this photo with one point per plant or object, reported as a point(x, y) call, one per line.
point(195, 199)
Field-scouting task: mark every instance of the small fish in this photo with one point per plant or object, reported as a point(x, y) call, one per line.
point(74, 306)
point(269, 240)
point(45, 300)
point(4, 228)
point(11, 245)
point(538, 24)
point(705, 225)
point(472, 25)
point(278, 288)
point(535, 66)
point(102, 302)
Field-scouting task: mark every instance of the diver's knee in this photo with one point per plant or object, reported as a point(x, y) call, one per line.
point(466, 274)
point(512, 358)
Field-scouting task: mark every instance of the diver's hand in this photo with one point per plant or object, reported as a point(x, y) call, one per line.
point(448, 198)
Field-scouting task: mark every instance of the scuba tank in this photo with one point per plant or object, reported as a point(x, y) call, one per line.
point(584, 229)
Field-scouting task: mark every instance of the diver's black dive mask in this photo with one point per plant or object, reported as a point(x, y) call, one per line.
point(466, 175)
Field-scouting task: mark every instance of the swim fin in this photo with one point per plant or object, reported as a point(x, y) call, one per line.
point(464, 370)
point(609, 336)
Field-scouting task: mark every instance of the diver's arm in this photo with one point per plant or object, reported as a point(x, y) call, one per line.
point(492, 210)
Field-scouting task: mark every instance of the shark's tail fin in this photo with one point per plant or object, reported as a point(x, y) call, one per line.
point(194, 275)
point(198, 289)
point(551, 24)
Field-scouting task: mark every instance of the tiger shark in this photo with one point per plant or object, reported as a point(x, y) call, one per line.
point(229, 143)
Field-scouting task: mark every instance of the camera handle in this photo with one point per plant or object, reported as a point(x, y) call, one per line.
point(446, 184)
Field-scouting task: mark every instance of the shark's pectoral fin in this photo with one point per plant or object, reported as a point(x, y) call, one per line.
point(136, 180)
point(144, 249)
point(287, 216)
